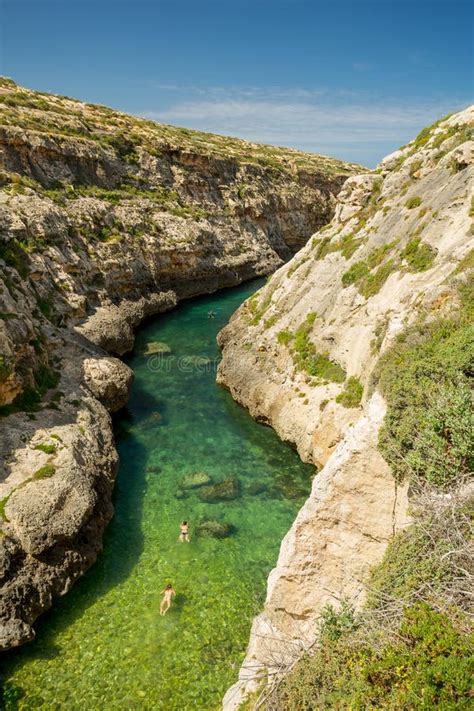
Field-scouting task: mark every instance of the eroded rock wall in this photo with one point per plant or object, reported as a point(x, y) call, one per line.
point(293, 354)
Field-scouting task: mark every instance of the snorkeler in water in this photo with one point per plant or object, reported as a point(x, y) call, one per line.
point(184, 532)
point(211, 314)
point(168, 593)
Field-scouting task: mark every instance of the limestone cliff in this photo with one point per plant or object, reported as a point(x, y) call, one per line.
point(105, 219)
point(300, 355)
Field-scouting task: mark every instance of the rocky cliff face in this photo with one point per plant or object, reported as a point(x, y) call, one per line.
point(300, 356)
point(106, 219)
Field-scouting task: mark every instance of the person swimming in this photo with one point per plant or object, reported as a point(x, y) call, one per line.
point(168, 593)
point(211, 314)
point(184, 532)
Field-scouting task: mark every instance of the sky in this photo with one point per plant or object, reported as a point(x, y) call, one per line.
point(353, 80)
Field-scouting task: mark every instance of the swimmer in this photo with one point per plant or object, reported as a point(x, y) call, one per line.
point(184, 529)
point(167, 593)
point(211, 314)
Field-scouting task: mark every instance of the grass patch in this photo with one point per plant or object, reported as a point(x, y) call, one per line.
point(257, 308)
point(351, 396)
point(3, 503)
point(307, 358)
point(466, 263)
point(347, 245)
point(14, 255)
point(413, 202)
point(44, 472)
point(355, 273)
point(46, 448)
point(360, 274)
point(372, 283)
point(418, 255)
point(284, 337)
point(269, 322)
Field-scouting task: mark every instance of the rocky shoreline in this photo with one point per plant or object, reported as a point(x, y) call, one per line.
point(301, 355)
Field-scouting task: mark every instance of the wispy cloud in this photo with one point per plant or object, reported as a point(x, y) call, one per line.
point(350, 125)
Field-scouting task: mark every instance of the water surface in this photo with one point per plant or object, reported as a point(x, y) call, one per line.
point(104, 645)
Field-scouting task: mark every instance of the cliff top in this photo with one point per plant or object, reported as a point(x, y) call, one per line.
point(62, 116)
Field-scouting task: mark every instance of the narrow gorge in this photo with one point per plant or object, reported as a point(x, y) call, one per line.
point(107, 220)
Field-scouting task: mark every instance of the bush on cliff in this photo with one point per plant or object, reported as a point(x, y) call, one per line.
point(427, 666)
point(412, 644)
point(426, 378)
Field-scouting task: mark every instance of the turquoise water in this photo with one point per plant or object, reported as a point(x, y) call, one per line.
point(104, 645)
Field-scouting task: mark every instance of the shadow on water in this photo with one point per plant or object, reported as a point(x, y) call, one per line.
point(120, 553)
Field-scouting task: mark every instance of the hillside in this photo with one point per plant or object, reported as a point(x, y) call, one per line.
point(360, 352)
point(106, 219)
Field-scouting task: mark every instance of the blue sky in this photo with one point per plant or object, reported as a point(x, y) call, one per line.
point(350, 79)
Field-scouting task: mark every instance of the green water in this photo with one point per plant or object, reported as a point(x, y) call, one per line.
point(104, 645)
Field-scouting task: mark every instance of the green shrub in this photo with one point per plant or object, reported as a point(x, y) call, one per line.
point(14, 255)
point(258, 308)
point(355, 273)
point(284, 337)
point(426, 559)
point(360, 274)
point(466, 263)
point(45, 472)
point(336, 622)
point(373, 282)
point(46, 448)
point(427, 665)
point(352, 393)
point(307, 358)
point(418, 254)
point(7, 316)
point(3, 503)
point(413, 202)
point(426, 380)
point(269, 322)
point(347, 245)
point(323, 247)
point(377, 255)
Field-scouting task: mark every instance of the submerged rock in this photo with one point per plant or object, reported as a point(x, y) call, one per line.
point(256, 487)
point(225, 490)
point(214, 529)
point(289, 487)
point(194, 480)
point(154, 347)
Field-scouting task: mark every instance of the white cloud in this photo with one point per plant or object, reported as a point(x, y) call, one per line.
point(346, 124)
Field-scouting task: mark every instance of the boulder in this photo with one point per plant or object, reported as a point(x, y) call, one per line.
point(225, 490)
point(109, 380)
point(214, 529)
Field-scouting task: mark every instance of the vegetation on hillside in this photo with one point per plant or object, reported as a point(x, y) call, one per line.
point(412, 644)
point(126, 134)
point(306, 357)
